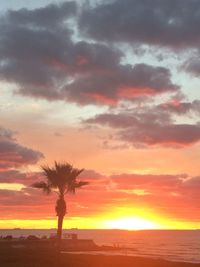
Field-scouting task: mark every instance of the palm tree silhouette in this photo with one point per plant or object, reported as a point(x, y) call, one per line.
point(62, 179)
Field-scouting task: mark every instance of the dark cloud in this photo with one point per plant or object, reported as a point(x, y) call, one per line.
point(125, 119)
point(123, 82)
point(49, 16)
point(177, 135)
point(28, 51)
point(149, 127)
point(11, 176)
point(155, 22)
point(192, 66)
point(13, 154)
point(15, 176)
point(181, 108)
point(40, 56)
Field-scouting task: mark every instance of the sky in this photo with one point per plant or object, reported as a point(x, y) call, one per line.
point(108, 86)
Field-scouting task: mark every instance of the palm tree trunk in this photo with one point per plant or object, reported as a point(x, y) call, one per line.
point(59, 230)
point(60, 211)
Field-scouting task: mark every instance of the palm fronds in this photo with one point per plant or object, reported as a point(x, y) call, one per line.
point(62, 176)
point(44, 186)
point(75, 185)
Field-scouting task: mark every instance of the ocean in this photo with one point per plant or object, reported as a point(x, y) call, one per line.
point(174, 245)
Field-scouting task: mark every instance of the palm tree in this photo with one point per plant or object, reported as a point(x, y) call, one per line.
point(62, 179)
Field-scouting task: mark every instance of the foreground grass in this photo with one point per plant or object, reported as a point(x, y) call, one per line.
point(33, 257)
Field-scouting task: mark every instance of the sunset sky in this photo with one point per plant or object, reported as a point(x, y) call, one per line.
point(112, 87)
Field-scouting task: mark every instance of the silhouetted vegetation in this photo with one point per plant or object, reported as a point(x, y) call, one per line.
point(62, 179)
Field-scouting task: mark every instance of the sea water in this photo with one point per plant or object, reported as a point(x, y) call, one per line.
point(175, 245)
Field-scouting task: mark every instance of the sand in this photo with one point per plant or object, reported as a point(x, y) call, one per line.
point(23, 257)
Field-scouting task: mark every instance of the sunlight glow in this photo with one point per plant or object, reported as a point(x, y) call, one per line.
point(131, 224)
point(11, 186)
point(125, 223)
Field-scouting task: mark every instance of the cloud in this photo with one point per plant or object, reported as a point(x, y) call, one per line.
point(42, 53)
point(152, 126)
point(29, 44)
point(172, 24)
point(170, 195)
point(25, 204)
point(192, 66)
point(49, 16)
point(181, 108)
point(18, 177)
point(38, 53)
point(13, 154)
point(122, 82)
point(148, 181)
point(177, 135)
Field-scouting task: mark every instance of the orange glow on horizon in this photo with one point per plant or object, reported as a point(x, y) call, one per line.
point(124, 218)
point(131, 224)
point(124, 223)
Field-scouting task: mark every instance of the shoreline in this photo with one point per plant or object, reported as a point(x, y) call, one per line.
point(38, 250)
point(147, 257)
point(32, 257)
point(130, 261)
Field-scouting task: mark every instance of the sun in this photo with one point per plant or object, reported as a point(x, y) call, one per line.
point(133, 223)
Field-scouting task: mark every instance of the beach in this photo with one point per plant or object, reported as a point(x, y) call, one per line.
point(34, 257)
point(171, 245)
